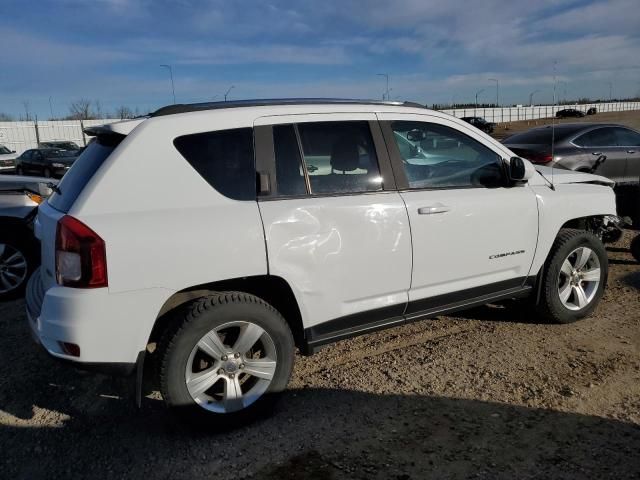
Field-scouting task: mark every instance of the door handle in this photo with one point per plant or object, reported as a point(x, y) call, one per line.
point(433, 209)
point(596, 153)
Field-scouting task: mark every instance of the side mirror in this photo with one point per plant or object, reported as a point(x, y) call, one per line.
point(517, 170)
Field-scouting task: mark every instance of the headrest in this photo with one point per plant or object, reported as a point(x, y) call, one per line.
point(344, 155)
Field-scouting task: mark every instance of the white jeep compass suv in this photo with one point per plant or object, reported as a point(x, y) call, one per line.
point(228, 234)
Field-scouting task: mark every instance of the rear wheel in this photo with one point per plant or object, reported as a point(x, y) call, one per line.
point(574, 277)
point(225, 360)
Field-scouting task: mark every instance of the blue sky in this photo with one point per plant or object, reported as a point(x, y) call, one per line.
point(434, 51)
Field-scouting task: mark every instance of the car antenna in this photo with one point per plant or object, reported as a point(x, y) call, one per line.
point(553, 123)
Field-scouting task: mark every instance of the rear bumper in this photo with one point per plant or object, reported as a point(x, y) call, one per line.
point(105, 327)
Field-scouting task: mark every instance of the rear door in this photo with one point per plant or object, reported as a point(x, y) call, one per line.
point(601, 144)
point(472, 234)
point(335, 228)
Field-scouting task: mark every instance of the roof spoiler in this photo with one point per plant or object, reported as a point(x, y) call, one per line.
point(123, 127)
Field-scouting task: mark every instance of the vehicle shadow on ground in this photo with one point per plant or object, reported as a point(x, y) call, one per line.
point(509, 311)
point(324, 433)
point(632, 279)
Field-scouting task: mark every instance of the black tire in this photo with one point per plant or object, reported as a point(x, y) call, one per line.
point(635, 248)
point(19, 171)
point(550, 306)
point(190, 324)
point(27, 247)
point(47, 173)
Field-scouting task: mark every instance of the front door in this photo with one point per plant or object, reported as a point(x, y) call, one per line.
point(472, 234)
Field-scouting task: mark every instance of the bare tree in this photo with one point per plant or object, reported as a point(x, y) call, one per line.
point(5, 117)
point(124, 112)
point(80, 110)
point(98, 111)
point(27, 112)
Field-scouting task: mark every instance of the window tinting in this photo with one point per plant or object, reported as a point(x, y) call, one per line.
point(86, 165)
point(600, 137)
point(224, 159)
point(340, 157)
point(540, 136)
point(627, 138)
point(435, 156)
point(289, 175)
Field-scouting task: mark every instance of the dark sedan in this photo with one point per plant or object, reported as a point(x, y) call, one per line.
point(46, 162)
point(610, 150)
point(569, 112)
point(480, 123)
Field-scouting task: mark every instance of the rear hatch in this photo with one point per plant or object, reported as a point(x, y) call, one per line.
point(64, 196)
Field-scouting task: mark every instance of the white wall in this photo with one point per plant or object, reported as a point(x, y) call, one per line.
point(20, 136)
point(513, 114)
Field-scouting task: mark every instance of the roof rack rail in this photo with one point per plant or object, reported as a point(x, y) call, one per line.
point(196, 107)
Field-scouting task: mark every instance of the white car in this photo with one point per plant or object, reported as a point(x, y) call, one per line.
point(228, 234)
point(7, 159)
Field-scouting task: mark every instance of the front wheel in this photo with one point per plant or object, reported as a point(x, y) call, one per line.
point(17, 261)
point(574, 277)
point(225, 360)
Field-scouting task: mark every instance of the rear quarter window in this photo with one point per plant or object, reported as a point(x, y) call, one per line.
point(224, 158)
point(85, 166)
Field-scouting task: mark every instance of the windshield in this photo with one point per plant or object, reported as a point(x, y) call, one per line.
point(82, 170)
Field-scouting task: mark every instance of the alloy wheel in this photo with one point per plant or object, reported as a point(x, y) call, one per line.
point(579, 278)
point(231, 366)
point(13, 268)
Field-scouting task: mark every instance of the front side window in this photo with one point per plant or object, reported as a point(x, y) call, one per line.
point(435, 156)
point(600, 137)
point(224, 159)
point(4, 150)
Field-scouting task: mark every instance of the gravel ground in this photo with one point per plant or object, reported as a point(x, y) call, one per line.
point(488, 394)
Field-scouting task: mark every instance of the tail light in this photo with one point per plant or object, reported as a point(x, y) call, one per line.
point(541, 158)
point(532, 156)
point(81, 259)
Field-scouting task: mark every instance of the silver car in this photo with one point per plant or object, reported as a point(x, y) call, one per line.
point(19, 249)
point(610, 150)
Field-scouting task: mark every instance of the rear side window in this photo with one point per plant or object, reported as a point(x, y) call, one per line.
point(85, 166)
point(224, 159)
point(601, 137)
point(339, 157)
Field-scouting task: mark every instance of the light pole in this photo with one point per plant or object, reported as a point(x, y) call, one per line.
point(610, 90)
point(173, 90)
point(51, 107)
point(227, 92)
point(531, 97)
point(386, 75)
point(497, 90)
point(564, 91)
point(478, 93)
